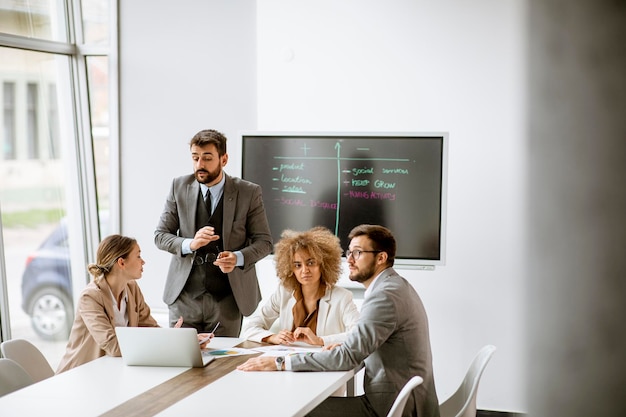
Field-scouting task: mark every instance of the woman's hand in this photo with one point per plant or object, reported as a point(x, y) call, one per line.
point(204, 339)
point(306, 335)
point(260, 363)
point(284, 337)
point(179, 322)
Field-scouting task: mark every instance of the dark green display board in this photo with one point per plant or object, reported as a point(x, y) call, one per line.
point(340, 180)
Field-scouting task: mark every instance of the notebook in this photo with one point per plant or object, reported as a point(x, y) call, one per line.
point(161, 346)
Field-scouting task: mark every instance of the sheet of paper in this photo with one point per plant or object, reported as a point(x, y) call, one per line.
point(282, 350)
point(233, 351)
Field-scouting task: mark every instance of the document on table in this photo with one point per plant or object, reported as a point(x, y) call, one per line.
point(282, 350)
point(223, 353)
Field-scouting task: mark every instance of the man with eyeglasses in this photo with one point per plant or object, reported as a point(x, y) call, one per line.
point(391, 337)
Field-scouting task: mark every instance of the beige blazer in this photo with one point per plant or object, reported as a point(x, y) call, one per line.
point(93, 331)
point(337, 314)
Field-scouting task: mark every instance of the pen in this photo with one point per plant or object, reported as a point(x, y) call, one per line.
point(206, 339)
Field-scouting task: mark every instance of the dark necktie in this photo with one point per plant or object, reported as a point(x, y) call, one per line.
point(207, 201)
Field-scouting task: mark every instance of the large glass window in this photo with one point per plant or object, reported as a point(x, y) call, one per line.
point(55, 153)
point(8, 120)
point(96, 21)
point(40, 19)
point(34, 195)
point(53, 122)
point(32, 120)
point(98, 76)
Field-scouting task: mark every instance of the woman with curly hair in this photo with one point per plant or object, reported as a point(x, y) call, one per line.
point(309, 306)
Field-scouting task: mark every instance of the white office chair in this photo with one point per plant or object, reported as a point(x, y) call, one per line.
point(12, 377)
point(463, 402)
point(398, 405)
point(28, 357)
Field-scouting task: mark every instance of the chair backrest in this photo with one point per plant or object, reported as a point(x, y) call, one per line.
point(398, 405)
point(28, 357)
point(463, 402)
point(12, 377)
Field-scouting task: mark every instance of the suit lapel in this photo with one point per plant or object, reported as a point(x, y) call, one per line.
point(288, 321)
point(230, 200)
point(322, 314)
point(191, 199)
point(107, 298)
point(383, 277)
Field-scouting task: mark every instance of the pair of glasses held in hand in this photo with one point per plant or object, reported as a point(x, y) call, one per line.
point(208, 257)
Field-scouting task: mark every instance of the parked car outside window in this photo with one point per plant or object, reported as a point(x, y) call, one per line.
point(47, 285)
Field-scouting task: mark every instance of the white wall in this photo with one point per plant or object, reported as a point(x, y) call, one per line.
point(184, 67)
point(355, 65)
point(409, 65)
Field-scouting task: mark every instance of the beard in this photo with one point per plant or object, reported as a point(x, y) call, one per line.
point(210, 176)
point(363, 274)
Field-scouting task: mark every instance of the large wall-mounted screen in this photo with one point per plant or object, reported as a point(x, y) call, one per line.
point(340, 180)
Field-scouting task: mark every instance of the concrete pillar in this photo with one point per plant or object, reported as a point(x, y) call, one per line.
point(576, 208)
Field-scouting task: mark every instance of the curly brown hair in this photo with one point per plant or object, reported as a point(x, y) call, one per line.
point(321, 244)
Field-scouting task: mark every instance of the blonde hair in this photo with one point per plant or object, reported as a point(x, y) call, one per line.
point(321, 244)
point(109, 251)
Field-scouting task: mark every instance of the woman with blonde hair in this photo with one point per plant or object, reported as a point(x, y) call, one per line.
point(111, 299)
point(308, 304)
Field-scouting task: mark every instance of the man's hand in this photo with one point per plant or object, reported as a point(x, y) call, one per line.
point(306, 335)
point(226, 261)
point(203, 237)
point(260, 363)
point(331, 347)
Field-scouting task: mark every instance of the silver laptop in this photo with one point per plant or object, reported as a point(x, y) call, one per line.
point(161, 346)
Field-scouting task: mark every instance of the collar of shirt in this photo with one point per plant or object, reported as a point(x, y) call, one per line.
point(121, 316)
point(368, 291)
point(216, 191)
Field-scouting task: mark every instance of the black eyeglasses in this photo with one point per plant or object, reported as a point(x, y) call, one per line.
point(356, 254)
point(208, 257)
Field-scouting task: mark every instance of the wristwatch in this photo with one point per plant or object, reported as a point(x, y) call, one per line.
point(279, 362)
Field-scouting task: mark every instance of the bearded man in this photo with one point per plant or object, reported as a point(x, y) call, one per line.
point(216, 229)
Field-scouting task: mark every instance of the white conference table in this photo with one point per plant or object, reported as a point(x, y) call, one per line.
point(279, 394)
point(108, 387)
point(88, 390)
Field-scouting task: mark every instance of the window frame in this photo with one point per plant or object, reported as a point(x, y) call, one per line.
point(87, 201)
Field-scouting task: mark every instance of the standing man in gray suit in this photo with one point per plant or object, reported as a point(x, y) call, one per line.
point(215, 227)
point(391, 337)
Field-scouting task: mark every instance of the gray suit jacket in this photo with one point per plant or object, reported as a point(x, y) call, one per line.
point(245, 229)
point(392, 338)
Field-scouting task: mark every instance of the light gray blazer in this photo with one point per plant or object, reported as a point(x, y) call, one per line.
point(392, 338)
point(337, 314)
point(245, 229)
